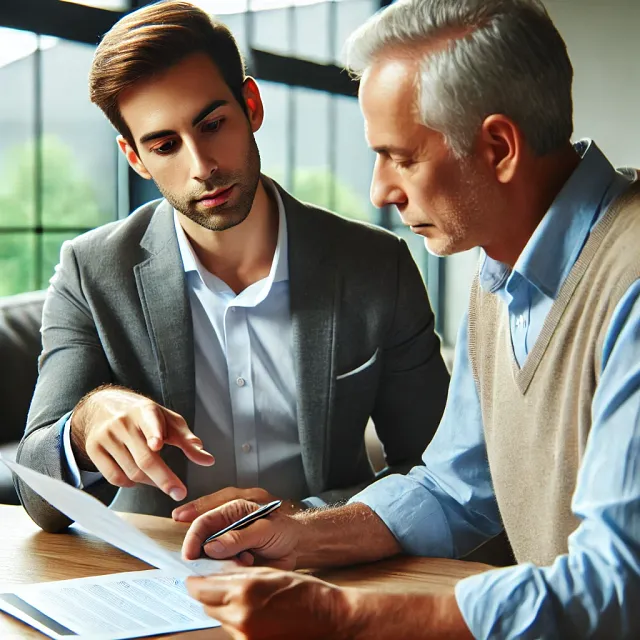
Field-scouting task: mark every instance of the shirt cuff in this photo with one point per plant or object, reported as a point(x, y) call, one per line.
point(81, 479)
point(411, 513)
point(314, 502)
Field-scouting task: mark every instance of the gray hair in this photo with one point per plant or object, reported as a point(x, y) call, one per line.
point(499, 57)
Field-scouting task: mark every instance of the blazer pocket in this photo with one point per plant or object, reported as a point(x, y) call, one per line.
point(363, 367)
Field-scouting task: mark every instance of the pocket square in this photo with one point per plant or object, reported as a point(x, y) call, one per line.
point(361, 368)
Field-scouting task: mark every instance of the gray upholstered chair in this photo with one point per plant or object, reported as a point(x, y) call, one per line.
point(20, 346)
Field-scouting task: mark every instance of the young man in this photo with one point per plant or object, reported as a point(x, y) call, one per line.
point(468, 105)
point(225, 319)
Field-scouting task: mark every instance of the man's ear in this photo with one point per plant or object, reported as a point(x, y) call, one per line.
point(253, 100)
point(132, 158)
point(501, 145)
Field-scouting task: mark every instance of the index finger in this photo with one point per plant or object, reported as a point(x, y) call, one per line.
point(155, 468)
point(211, 522)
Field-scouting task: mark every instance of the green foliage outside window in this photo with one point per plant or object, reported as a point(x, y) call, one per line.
point(314, 185)
point(68, 200)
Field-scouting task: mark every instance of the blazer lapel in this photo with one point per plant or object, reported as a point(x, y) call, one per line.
point(165, 304)
point(314, 290)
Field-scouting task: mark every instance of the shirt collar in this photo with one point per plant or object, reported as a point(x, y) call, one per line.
point(279, 271)
point(556, 243)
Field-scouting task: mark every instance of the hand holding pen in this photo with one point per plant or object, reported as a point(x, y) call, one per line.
point(245, 521)
point(246, 531)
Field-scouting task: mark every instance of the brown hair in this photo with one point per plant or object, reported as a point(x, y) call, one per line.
point(153, 39)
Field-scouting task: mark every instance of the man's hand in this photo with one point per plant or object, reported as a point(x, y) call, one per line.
point(119, 433)
point(310, 539)
point(264, 604)
point(191, 510)
point(271, 541)
point(260, 603)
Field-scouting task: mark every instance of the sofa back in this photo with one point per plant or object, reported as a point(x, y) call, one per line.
point(20, 346)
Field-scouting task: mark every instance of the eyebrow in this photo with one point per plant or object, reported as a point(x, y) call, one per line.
point(388, 150)
point(210, 108)
point(216, 104)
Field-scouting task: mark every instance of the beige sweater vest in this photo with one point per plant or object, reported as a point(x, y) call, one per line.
point(537, 418)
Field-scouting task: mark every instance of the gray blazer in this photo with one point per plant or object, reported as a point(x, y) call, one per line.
point(118, 312)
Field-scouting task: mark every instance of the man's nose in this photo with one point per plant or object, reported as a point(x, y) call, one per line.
point(385, 192)
point(203, 166)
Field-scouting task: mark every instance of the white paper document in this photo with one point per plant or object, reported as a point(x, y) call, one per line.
point(125, 605)
point(114, 607)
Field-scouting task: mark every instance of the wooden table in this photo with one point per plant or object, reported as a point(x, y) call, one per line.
point(29, 555)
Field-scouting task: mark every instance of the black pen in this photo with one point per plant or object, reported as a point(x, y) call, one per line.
point(246, 520)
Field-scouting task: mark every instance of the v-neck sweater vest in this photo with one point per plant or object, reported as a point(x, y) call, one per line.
point(537, 418)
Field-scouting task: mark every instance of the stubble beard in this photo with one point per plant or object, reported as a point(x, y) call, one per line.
point(464, 218)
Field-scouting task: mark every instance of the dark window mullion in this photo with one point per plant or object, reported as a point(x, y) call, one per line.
point(291, 109)
point(66, 20)
point(37, 165)
point(38, 231)
point(301, 73)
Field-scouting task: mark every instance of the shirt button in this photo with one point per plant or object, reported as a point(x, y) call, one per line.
point(246, 447)
point(241, 382)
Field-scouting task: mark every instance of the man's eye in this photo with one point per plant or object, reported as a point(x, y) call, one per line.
point(404, 164)
point(211, 127)
point(166, 147)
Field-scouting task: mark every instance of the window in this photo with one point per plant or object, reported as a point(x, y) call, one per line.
point(58, 158)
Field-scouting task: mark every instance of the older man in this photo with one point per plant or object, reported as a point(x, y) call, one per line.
point(468, 106)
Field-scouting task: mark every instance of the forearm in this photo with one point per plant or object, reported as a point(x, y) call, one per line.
point(408, 616)
point(335, 537)
point(42, 450)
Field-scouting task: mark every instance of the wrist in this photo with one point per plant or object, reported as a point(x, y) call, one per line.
point(308, 540)
point(332, 537)
point(77, 433)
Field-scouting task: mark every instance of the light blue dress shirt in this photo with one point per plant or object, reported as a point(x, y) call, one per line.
point(245, 404)
point(448, 507)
